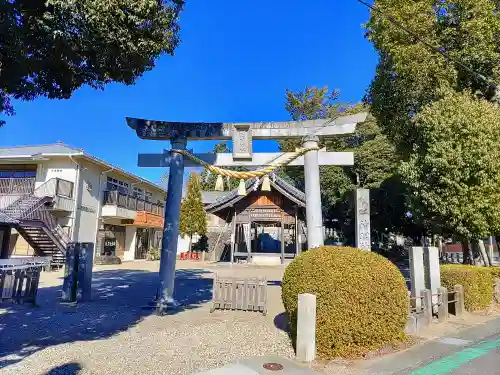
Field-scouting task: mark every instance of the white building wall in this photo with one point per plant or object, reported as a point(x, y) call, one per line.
point(87, 203)
point(130, 240)
point(62, 168)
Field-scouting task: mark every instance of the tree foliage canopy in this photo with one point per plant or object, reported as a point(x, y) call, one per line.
point(455, 167)
point(193, 219)
point(411, 75)
point(431, 99)
point(52, 47)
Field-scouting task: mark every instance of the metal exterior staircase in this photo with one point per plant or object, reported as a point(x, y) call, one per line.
point(37, 225)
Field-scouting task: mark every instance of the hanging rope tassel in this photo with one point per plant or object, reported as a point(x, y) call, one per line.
point(242, 188)
point(266, 184)
point(219, 183)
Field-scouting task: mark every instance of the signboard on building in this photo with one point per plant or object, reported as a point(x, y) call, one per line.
point(109, 246)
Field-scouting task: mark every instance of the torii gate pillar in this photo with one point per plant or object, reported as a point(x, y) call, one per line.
point(314, 216)
point(165, 292)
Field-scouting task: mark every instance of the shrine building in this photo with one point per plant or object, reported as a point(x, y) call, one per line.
point(262, 227)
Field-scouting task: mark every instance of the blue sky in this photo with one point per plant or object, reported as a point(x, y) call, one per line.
point(234, 64)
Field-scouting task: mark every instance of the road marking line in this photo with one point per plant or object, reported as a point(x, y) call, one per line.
point(452, 362)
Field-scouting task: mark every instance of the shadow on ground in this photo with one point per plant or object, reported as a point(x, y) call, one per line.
point(66, 369)
point(281, 322)
point(118, 300)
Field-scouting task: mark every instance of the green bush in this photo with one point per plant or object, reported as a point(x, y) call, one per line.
point(476, 280)
point(361, 299)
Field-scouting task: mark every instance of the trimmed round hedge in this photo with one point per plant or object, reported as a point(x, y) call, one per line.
point(476, 280)
point(361, 299)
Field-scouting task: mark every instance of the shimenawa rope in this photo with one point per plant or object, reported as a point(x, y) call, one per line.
point(245, 175)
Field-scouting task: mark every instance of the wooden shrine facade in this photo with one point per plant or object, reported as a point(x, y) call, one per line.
point(263, 224)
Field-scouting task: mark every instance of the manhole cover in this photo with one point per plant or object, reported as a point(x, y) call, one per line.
point(273, 366)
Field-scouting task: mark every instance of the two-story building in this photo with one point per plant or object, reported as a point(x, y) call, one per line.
point(56, 194)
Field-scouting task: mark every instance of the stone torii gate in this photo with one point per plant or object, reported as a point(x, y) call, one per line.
point(242, 135)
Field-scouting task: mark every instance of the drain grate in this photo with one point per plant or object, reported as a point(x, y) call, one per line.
point(273, 366)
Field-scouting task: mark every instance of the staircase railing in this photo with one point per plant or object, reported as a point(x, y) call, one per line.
point(51, 223)
point(38, 211)
point(49, 189)
point(18, 210)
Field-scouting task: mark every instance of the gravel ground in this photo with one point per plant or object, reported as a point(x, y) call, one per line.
point(115, 334)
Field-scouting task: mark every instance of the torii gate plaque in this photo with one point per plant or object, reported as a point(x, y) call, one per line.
point(242, 135)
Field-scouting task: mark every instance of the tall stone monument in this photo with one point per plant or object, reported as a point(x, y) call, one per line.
point(242, 135)
point(363, 235)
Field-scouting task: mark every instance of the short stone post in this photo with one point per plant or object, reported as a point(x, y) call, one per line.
point(426, 295)
point(459, 300)
point(417, 274)
point(306, 327)
point(85, 261)
point(432, 272)
point(443, 304)
point(70, 274)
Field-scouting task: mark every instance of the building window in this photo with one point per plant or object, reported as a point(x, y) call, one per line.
point(138, 193)
point(141, 194)
point(114, 184)
point(17, 174)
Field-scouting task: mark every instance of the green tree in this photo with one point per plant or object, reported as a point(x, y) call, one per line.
point(455, 169)
point(193, 219)
point(51, 48)
point(410, 74)
point(457, 65)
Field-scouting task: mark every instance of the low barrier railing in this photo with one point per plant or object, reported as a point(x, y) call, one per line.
point(19, 283)
point(422, 308)
point(233, 293)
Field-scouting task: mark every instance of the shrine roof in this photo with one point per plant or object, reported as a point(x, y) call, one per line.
point(279, 184)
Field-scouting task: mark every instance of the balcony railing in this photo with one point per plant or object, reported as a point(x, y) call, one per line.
point(25, 185)
point(51, 188)
point(119, 199)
